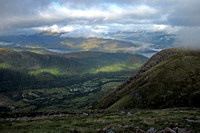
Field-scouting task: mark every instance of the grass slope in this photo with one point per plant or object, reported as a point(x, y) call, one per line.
point(58, 64)
point(174, 82)
point(102, 122)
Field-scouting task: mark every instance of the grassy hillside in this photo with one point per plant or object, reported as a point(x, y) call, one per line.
point(68, 64)
point(170, 78)
point(187, 120)
point(30, 81)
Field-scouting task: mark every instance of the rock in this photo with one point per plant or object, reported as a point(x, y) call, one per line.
point(179, 130)
point(176, 129)
point(74, 130)
point(99, 130)
point(161, 131)
point(110, 131)
point(86, 114)
point(140, 131)
point(176, 125)
point(151, 130)
point(136, 128)
point(169, 130)
point(122, 112)
point(11, 107)
point(126, 126)
point(166, 123)
point(193, 121)
point(129, 113)
point(106, 128)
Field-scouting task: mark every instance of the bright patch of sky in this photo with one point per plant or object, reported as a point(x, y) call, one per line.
point(55, 28)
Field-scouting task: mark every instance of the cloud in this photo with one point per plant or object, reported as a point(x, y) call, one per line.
point(97, 18)
point(143, 48)
point(185, 13)
point(85, 31)
point(160, 27)
point(99, 15)
point(102, 31)
point(28, 14)
point(189, 36)
point(55, 28)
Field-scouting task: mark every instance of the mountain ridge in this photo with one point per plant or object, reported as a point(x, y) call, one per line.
point(136, 91)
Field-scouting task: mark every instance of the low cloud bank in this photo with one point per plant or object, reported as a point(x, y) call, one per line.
point(189, 37)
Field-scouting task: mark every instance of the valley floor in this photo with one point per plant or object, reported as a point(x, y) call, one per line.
point(101, 121)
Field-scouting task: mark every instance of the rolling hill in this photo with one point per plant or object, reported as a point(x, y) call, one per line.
point(171, 78)
point(52, 41)
point(34, 81)
point(27, 66)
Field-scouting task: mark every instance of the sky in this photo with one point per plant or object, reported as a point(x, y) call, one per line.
point(97, 17)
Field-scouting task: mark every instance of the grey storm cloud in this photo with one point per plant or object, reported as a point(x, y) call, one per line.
point(64, 15)
point(185, 13)
point(23, 14)
point(20, 13)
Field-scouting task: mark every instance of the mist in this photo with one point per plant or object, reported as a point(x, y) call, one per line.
point(189, 37)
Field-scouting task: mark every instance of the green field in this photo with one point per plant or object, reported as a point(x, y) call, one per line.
point(76, 96)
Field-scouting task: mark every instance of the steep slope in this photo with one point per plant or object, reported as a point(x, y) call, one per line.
point(171, 78)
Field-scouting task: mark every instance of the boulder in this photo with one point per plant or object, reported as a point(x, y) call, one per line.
point(169, 130)
point(140, 131)
point(151, 130)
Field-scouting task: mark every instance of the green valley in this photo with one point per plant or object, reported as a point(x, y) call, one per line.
point(49, 81)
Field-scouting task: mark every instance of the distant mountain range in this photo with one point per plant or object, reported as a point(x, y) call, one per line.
point(171, 78)
point(133, 42)
point(53, 41)
point(159, 39)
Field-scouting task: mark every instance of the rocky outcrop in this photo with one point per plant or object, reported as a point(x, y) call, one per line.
point(138, 130)
point(166, 130)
